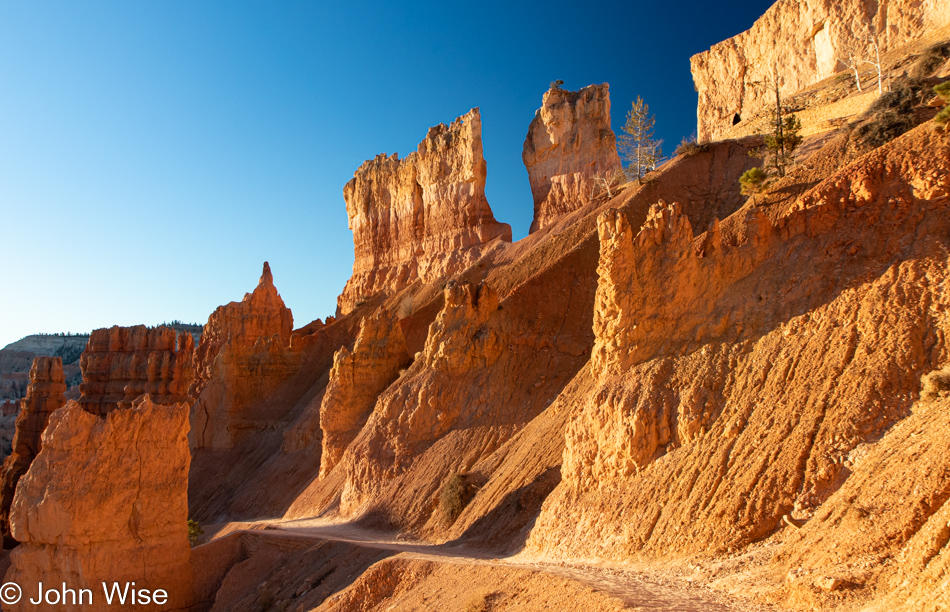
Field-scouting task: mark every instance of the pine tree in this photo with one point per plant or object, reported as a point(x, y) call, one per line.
point(780, 144)
point(641, 152)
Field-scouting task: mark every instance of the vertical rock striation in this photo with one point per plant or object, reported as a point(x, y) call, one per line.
point(244, 354)
point(801, 41)
point(105, 500)
point(44, 396)
point(422, 217)
point(738, 374)
point(569, 142)
point(356, 380)
point(122, 363)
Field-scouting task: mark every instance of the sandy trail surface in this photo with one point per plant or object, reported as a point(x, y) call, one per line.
point(638, 589)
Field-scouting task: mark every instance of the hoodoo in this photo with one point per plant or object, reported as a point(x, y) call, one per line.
point(44, 396)
point(122, 363)
point(569, 144)
point(243, 355)
point(105, 501)
point(423, 217)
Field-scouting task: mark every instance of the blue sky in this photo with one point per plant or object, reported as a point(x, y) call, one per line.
point(154, 153)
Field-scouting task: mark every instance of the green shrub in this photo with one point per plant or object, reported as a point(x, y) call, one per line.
point(943, 116)
point(452, 497)
point(943, 90)
point(194, 530)
point(753, 181)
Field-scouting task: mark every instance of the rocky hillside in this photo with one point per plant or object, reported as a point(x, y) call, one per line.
point(668, 394)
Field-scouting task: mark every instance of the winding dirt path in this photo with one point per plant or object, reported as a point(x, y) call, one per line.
point(638, 590)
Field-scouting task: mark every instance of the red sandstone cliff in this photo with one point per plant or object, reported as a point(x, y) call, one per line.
point(422, 217)
point(569, 142)
point(122, 363)
point(44, 396)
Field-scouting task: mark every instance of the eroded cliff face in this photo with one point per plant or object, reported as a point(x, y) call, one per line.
point(45, 395)
point(105, 500)
point(122, 363)
point(569, 142)
point(801, 41)
point(244, 354)
point(357, 379)
point(736, 377)
point(422, 217)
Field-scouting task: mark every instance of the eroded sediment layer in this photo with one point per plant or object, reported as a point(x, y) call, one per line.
point(422, 217)
point(569, 144)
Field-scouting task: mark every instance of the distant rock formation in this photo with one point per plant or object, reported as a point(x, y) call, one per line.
point(122, 363)
point(105, 500)
point(44, 396)
point(422, 217)
point(356, 380)
point(244, 354)
point(569, 142)
point(803, 40)
point(16, 359)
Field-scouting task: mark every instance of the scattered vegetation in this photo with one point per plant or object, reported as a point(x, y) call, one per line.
point(932, 59)
point(753, 182)
point(778, 153)
point(194, 530)
point(641, 152)
point(889, 116)
point(608, 180)
point(943, 90)
point(452, 497)
point(556, 84)
point(689, 146)
point(935, 384)
point(478, 602)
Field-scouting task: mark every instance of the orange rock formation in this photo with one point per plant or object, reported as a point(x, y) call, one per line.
point(569, 142)
point(737, 377)
point(422, 217)
point(356, 380)
point(122, 363)
point(44, 396)
point(801, 41)
point(244, 354)
point(105, 500)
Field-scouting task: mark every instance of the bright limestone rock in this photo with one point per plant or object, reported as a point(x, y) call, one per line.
point(569, 143)
point(244, 354)
point(122, 363)
point(803, 39)
point(44, 396)
point(422, 217)
point(356, 380)
point(105, 500)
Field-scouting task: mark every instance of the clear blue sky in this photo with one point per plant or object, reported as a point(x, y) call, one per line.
point(154, 153)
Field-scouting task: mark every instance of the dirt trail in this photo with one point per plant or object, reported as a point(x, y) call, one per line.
point(639, 590)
